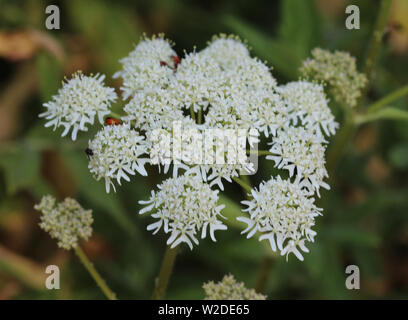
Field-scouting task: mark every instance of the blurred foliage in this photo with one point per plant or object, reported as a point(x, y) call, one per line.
point(365, 213)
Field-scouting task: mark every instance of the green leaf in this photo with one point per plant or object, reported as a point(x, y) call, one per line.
point(21, 167)
point(243, 249)
point(325, 266)
point(110, 28)
point(388, 113)
point(49, 72)
point(350, 235)
point(299, 26)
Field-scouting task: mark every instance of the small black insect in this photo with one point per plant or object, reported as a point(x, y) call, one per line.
point(89, 153)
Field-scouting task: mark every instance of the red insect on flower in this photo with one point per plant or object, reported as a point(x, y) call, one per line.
point(163, 63)
point(112, 122)
point(176, 61)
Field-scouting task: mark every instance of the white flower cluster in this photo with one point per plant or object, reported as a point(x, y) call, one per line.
point(300, 146)
point(197, 82)
point(283, 213)
point(153, 109)
point(218, 88)
point(229, 289)
point(302, 154)
point(66, 221)
point(339, 71)
point(149, 66)
point(228, 51)
point(308, 104)
point(117, 151)
point(80, 99)
point(184, 206)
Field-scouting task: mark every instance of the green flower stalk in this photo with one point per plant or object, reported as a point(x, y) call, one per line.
point(68, 222)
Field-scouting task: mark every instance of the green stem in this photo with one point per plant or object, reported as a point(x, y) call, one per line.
point(263, 275)
point(245, 179)
point(347, 130)
point(165, 272)
point(375, 42)
point(192, 113)
point(266, 262)
point(200, 115)
point(115, 115)
point(383, 102)
point(94, 274)
point(243, 185)
point(259, 152)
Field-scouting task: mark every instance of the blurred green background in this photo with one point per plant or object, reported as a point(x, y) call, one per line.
point(365, 213)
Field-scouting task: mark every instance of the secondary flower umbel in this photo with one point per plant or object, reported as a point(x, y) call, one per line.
point(66, 221)
point(80, 99)
point(149, 66)
point(230, 289)
point(184, 207)
point(309, 106)
point(284, 215)
point(301, 153)
point(118, 151)
point(339, 71)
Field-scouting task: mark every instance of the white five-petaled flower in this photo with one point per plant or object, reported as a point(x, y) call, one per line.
point(117, 152)
point(80, 99)
point(283, 214)
point(184, 207)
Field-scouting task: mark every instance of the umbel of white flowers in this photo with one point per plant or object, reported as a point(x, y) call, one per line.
point(284, 215)
point(65, 221)
point(80, 99)
point(229, 289)
point(183, 207)
point(221, 86)
point(117, 153)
